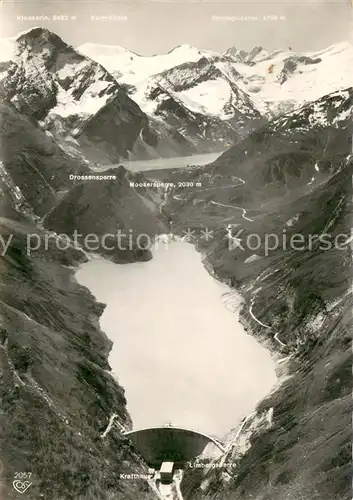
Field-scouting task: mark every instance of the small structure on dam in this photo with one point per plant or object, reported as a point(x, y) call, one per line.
point(170, 444)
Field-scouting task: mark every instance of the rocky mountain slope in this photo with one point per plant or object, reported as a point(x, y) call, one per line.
point(276, 163)
point(202, 101)
point(78, 101)
point(39, 178)
point(291, 179)
point(185, 90)
point(71, 96)
point(297, 443)
point(57, 394)
point(34, 167)
point(55, 388)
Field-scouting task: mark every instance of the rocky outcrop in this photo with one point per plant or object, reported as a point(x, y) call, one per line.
point(255, 54)
point(291, 65)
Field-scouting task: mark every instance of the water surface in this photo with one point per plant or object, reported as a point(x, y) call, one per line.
point(177, 162)
point(180, 354)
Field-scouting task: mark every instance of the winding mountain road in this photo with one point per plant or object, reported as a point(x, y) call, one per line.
point(234, 206)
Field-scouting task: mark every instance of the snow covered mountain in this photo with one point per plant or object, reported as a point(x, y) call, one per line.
point(284, 80)
point(274, 82)
point(201, 101)
point(70, 95)
point(82, 104)
point(133, 68)
point(107, 103)
point(189, 89)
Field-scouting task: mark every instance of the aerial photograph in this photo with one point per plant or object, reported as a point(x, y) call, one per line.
point(176, 208)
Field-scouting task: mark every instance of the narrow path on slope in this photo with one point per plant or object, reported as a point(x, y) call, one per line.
point(275, 337)
point(234, 206)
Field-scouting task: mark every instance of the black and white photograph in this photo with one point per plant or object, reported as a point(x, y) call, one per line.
point(176, 249)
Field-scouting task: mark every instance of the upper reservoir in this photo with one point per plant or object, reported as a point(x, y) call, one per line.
point(162, 163)
point(180, 354)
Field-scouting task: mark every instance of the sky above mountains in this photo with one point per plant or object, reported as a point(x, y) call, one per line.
point(149, 27)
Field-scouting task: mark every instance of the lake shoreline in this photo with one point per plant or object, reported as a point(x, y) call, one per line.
point(118, 344)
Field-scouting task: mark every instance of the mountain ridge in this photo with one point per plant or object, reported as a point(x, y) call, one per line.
point(254, 69)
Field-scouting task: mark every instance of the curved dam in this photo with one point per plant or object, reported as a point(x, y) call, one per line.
point(162, 444)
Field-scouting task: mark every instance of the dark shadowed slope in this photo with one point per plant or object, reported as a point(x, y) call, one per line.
point(32, 162)
point(56, 391)
point(55, 388)
point(105, 208)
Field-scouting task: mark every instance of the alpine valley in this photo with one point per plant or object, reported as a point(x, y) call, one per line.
point(282, 124)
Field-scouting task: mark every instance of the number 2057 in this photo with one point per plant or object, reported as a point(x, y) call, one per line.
point(22, 475)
